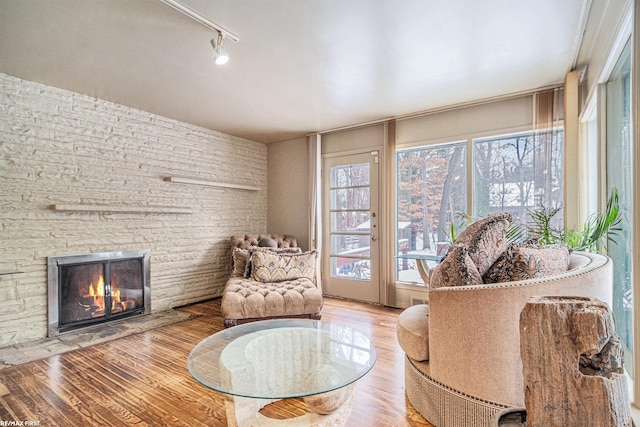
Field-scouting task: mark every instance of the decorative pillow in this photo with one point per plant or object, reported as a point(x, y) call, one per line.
point(267, 242)
point(456, 269)
point(247, 271)
point(240, 258)
point(268, 266)
point(284, 250)
point(526, 261)
point(485, 239)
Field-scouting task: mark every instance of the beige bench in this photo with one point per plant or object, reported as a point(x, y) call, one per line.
point(247, 299)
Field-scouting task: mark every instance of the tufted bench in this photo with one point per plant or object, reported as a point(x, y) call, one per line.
point(246, 299)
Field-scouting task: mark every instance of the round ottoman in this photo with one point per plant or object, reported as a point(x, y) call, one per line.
point(412, 331)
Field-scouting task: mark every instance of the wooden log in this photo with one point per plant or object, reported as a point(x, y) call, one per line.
point(572, 364)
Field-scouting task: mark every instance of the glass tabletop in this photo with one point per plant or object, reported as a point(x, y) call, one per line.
point(283, 358)
point(420, 256)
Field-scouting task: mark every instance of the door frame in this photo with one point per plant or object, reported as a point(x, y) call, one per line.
point(375, 292)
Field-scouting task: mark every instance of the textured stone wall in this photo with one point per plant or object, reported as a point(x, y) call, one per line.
point(58, 147)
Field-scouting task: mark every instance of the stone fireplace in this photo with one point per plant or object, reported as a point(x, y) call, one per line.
point(90, 289)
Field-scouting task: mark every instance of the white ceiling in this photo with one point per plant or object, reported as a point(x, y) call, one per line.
point(300, 66)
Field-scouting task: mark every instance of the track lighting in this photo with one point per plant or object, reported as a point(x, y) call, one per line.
point(221, 57)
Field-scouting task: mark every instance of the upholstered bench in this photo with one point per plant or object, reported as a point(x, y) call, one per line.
point(246, 299)
point(279, 282)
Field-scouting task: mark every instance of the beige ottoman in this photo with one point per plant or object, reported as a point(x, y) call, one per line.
point(246, 299)
point(413, 332)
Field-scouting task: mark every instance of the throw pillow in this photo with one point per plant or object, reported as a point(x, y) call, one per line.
point(269, 266)
point(456, 269)
point(240, 258)
point(527, 261)
point(267, 242)
point(485, 239)
point(247, 271)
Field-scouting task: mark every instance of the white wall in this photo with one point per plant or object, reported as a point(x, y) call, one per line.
point(607, 19)
point(58, 147)
point(356, 140)
point(489, 118)
point(288, 176)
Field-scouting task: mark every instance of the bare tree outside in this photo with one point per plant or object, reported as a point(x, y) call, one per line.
point(512, 173)
point(431, 195)
point(517, 173)
point(350, 199)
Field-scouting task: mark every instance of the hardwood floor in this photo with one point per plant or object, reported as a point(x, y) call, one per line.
point(142, 379)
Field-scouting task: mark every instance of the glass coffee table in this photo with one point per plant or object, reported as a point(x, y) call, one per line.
point(257, 363)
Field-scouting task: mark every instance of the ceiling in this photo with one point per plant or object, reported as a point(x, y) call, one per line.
point(300, 66)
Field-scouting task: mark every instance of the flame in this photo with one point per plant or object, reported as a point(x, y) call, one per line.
point(116, 296)
point(98, 289)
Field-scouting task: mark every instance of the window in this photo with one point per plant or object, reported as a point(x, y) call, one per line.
point(512, 173)
point(516, 173)
point(432, 193)
point(350, 202)
point(620, 176)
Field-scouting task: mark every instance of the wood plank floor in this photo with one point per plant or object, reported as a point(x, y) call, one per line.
point(142, 379)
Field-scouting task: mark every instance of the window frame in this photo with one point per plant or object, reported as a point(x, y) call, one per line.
point(469, 139)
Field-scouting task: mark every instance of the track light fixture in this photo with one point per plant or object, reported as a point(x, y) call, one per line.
point(221, 57)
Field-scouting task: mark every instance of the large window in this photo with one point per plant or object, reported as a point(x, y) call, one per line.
point(511, 173)
point(620, 176)
point(432, 193)
point(517, 173)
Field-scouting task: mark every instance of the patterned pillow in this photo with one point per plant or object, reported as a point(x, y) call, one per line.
point(268, 266)
point(456, 269)
point(295, 250)
point(247, 271)
point(526, 261)
point(240, 258)
point(485, 239)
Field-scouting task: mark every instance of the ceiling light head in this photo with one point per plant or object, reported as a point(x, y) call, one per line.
point(221, 57)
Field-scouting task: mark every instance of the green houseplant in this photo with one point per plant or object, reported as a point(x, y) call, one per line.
point(594, 231)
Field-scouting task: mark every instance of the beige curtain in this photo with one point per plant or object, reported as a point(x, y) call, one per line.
point(388, 232)
point(314, 154)
point(547, 121)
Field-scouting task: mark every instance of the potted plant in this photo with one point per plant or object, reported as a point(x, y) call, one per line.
point(594, 231)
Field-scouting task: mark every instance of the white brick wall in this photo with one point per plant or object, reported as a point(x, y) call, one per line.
point(58, 147)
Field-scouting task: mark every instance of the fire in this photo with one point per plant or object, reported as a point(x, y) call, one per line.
point(98, 289)
point(95, 298)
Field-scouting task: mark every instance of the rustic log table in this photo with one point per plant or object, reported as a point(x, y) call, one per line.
point(572, 364)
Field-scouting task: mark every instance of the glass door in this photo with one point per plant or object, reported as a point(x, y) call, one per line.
point(350, 247)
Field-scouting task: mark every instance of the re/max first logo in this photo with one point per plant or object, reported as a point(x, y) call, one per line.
point(19, 423)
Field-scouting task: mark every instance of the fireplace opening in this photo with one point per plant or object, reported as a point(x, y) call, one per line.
point(95, 288)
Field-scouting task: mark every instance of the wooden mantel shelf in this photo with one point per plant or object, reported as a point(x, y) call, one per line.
point(122, 209)
point(8, 272)
point(184, 180)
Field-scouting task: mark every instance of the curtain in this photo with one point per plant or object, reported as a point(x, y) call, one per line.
point(388, 205)
point(548, 135)
point(314, 154)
